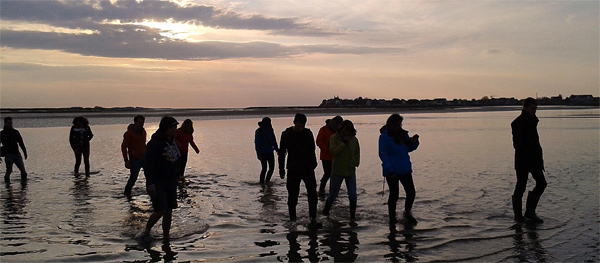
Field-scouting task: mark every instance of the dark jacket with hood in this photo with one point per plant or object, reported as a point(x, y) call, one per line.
point(526, 141)
point(300, 147)
point(162, 156)
point(11, 139)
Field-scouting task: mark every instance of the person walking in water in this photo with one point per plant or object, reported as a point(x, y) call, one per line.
point(346, 157)
point(394, 146)
point(134, 150)
point(265, 143)
point(323, 138)
point(11, 139)
point(528, 159)
point(185, 137)
point(299, 144)
point(161, 171)
point(79, 138)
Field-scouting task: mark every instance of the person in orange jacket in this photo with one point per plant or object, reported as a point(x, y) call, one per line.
point(134, 150)
point(323, 137)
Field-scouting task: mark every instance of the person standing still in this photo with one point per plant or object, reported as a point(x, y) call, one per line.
point(134, 150)
point(323, 138)
point(11, 139)
point(299, 144)
point(265, 143)
point(79, 138)
point(161, 171)
point(528, 159)
point(394, 146)
point(345, 149)
point(185, 137)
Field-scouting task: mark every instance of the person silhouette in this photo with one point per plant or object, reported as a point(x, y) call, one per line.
point(133, 149)
point(11, 140)
point(299, 144)
point(323, 138)
point(265, 143)
point(79, 138)
point(528, 159)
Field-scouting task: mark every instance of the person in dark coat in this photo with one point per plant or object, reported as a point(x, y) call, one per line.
point(79, 138)
point(161, 171)
point(265, 143)
point(11, 140)
point(299, 144)
point(528, 159)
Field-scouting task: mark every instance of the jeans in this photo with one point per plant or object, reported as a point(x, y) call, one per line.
point(336, 183)
point(409, 188)
point(265, 159)
point(14, 158)
point(522, 176)
point(134, 169)
point(326, 174)
point(85, 152)
point(293, 186)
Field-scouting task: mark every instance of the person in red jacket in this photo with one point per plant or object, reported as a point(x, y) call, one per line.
point(183, 138)
point(134, 150)
point(322, 141)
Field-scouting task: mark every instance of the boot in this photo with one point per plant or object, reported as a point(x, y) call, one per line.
point(326, 209)
point(517, 204)
point(352, 210)
point(409, 218)
point(322, 189)
point(532, 202)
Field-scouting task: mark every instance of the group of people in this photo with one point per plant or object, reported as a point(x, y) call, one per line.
point(164, 158)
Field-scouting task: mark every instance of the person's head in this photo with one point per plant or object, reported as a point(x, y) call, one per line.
point(347, 127)
point(138, 122)
point(80, 121)
point(530, 105)
point(299, 121)
point(187, 126)
point(336, 122)
point(394, 122)
point(167, 127)
point(265, 123)
point(8, 123)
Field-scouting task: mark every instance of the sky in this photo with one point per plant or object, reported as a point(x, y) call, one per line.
point(257, 53)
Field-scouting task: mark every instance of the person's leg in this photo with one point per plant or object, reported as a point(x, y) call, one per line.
point(393, 185)
point(517, 197)
point(271, 161)
point(326, 175)
point(409, 188)
point(19, 163)
point(134, 171)
point(352, 196)
point(263, 169)
point(166, 224)
point(335, 183)
point(78, 155)
point(293, 187)
point(534, 196)
point(86, 159)
point(8, 160)
point(154, 217)
point(310, 181)
point(182, 164)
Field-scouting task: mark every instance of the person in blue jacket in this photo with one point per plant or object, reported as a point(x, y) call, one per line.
point(161, 171)
point(394, 146)
point(265, 143)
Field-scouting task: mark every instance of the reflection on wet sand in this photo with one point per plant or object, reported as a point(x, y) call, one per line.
point(529, 249)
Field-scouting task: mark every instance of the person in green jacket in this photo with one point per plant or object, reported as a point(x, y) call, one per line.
point(346, 157)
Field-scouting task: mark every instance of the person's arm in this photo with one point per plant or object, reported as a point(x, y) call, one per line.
point(414, 142)
point(90, 134)
point(193, 144)
point(336, 145)
point(257, 143)
point(357, 153)
point(150, 167)
point(384, 155)
point(281, 155)
point(22, 144)
point(322, 140)
point(73, 138)
point(312, 148)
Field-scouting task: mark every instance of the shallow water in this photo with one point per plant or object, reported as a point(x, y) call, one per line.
point(463, 172)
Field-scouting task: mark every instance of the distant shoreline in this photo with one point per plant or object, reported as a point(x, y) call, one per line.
point(255, 111)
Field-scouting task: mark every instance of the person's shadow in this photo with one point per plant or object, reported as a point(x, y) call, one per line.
point(343, 244)
point(401, 250)
point(529, 249)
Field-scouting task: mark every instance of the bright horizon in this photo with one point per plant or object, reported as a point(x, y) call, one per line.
point(237, 54)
